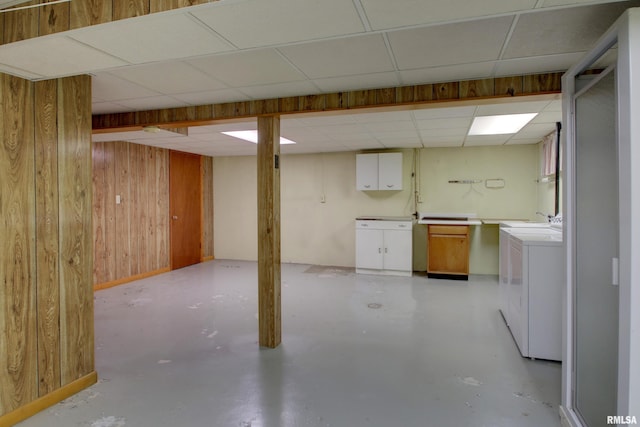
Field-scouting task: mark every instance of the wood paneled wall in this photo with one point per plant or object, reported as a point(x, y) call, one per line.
point(29, 23)
point(46, 299)
point(131, 238)
point(207, 208)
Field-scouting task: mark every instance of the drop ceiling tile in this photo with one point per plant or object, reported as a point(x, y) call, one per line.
point(537, 64)
point(511, 108)
point(442, 142)
point(287, 122)
point(280, 90)
point(249, 24)
point(4, 68)
point(404, 126)
point(108, 107)
point(108, 87)
point(476, 140)
point(479, 70)
point(327, 120)
point(345, 129)
point(152, 103)
point(365, 145)
point(451, 123)
point(362, 143)
point(158, 37)
point(444, 113)
point(561, 31)
point(388, 136)
point(451, 44)
point(8, 3)
point(55, 57)
point(438, 133)
point(553, 3)
point(523, 141)
point(385, 14)
point(340, 57)
point(220, 96)
point(303, 136)
point(363, 81)
point(406, 144)
point(383, 117)
point(554, 106)
point(548, 117)
point(169, 78)
point(536, 130)
point(256, 67)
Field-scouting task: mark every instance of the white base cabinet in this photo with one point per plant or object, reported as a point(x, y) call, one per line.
point(384, 247)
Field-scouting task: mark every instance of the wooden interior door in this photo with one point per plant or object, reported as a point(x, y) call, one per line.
point(185, 207)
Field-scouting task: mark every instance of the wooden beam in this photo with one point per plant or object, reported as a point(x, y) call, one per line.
point(397, 98)
point(269, 317)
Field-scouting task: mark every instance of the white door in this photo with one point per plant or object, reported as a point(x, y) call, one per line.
point(397, 250)
point(596, 244)
point(369, 249)
point(601, 210)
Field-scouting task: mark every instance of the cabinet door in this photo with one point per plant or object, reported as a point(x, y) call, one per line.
point(369, 252)
point(390, 171)
point(448, 249)
point(398, 250)
point(367, 171)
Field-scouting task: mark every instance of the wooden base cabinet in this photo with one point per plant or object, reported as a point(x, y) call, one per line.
point(448, 251)
point(384, 247)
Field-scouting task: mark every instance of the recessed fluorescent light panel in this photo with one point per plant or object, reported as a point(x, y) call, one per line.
point(500, 125)
point(252, 136)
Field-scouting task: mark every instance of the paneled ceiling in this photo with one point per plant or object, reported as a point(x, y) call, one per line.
point(238, 50)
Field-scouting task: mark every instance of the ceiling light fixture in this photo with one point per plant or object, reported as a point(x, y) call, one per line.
point(12, 9)
point(252, 136)
point(500, 125)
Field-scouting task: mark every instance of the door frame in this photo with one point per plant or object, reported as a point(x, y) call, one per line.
point(626, 33)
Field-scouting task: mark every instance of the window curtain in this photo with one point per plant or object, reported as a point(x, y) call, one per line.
point(549, 155)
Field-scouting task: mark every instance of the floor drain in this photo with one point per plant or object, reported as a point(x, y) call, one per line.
point(374, 305)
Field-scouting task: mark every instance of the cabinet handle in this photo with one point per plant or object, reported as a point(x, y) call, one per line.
point(367, 186)
point(365, 225)
point(402, 226)
point(385, 250)
point(379, 250)
point(389, 185)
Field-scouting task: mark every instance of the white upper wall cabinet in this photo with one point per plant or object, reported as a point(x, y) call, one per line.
point(380, 171)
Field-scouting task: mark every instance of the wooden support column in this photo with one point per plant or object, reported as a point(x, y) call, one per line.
point(269, 231)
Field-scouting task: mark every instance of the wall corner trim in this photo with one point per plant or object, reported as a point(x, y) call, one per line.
point(50, 399)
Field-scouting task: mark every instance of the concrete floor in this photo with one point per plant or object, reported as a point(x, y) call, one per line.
point(180, 349)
